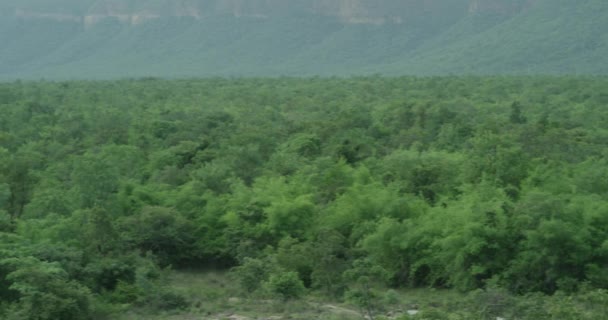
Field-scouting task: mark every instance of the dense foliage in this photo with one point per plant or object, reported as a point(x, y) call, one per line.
point(339, 186)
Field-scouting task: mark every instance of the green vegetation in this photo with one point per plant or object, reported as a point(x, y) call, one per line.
point(355, 191)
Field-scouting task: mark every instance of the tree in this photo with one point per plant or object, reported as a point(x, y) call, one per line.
point(45, 292)
point(516, 115)
point(163, 231)
point(363, 276)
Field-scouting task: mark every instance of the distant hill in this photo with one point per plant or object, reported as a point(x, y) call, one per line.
point(61, 39)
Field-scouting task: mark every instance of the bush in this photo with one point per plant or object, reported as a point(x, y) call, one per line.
point(151, 288)
point(168, 300)
point(125, 293)
point(45, 292)
point(491, 302)
point(162, 231)
point(6, 224)
point(433, 314)
point(251, 274)
point(106, 273)
point(285, 285)
point(391, 297)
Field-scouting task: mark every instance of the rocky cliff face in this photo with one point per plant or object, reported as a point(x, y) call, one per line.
point(504, 7)
point(348, 11)
point(387, 11)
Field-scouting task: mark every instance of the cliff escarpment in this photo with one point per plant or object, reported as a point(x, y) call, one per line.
point(193, 38)
point(503, 7)
point(346, 11)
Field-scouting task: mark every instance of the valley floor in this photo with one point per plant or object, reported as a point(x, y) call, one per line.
point(214, 296)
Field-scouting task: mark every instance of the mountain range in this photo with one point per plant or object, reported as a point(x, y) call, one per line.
point(104, 39)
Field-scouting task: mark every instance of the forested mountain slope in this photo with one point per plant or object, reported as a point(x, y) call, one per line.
point(120, 38)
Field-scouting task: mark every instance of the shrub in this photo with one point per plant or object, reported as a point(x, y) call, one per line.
point(125, 293)
point(45, 292)
point(168, 300)
point(285, 285)
point(162, 231)
point(251, 274)
point(433, 314)
point(105, 274)
point(6, 224)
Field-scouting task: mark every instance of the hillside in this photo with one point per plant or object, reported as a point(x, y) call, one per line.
point(189, 38)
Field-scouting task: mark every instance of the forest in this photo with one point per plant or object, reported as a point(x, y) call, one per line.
point(463, 197)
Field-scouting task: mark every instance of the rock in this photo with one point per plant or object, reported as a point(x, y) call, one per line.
point(234, 300)
point(412, 312)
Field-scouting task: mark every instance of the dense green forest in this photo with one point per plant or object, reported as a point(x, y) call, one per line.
point(351, 190)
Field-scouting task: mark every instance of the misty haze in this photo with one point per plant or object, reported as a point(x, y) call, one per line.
point(85, 39)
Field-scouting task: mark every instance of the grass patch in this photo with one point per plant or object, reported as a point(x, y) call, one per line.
point(215, 295)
